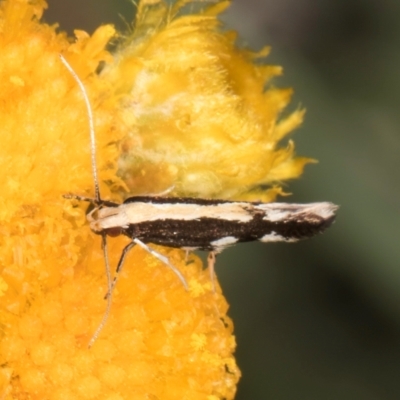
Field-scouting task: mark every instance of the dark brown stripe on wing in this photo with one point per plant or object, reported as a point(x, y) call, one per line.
point(202, 232)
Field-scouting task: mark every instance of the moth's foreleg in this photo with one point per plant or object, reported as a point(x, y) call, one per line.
point(163, 259)
point(109, 294)
point(71, 196)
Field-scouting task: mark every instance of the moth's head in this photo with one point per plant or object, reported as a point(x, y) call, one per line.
point(99, 215)
point(104, 219)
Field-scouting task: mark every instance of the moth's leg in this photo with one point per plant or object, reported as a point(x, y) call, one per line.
point(109, 293)
point(121, 261)
point(187, 252)
point(160, 194)
point(164, 259)
point(212, 256)
point(163, 193)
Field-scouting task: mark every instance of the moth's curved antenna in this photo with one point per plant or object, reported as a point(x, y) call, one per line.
point(91, 128)
point(97, 196)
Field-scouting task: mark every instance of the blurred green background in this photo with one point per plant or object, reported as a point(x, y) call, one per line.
point(318, 319)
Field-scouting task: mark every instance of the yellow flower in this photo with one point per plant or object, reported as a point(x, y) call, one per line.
point(187, 110)
point(198, 116)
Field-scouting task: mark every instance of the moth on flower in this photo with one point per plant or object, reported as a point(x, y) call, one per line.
point(168, 101)
point(207, 123)
point(190, 223)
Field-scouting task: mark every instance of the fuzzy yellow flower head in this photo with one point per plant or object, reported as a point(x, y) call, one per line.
point(178, 106)
point(198, 116)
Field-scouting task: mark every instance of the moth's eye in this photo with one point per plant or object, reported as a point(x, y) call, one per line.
point(113, 231)
point(92, 215)
point(90, 208)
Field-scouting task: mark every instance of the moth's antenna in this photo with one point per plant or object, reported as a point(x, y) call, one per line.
point(91, 128)
point(97, 196)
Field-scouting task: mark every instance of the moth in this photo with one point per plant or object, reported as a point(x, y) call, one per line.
point(193, 223)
